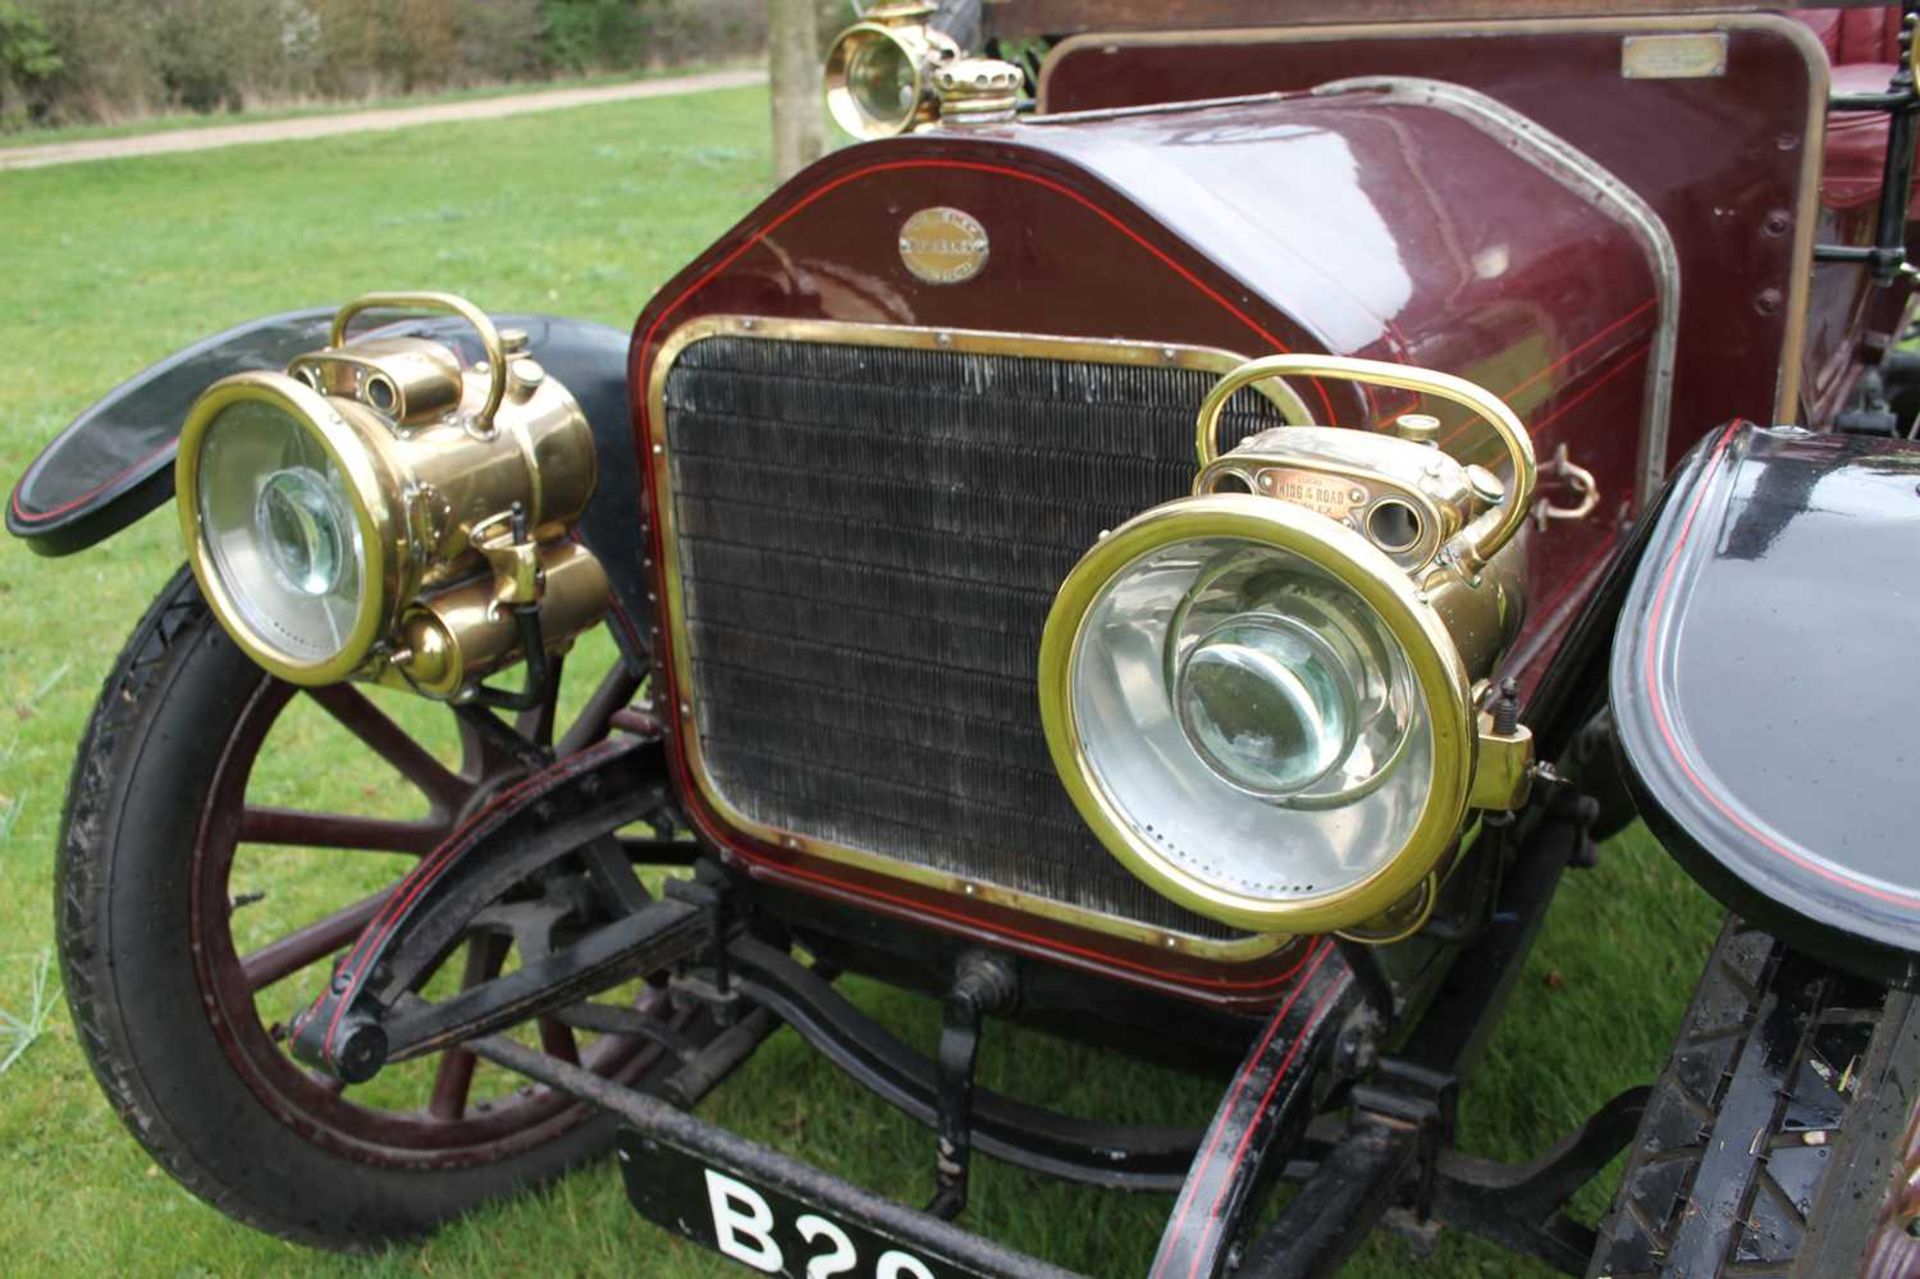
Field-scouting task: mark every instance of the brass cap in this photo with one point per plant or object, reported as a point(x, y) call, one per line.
point(1487, 486)
point(1421, 428)
point(978, 91)
point(432, 661)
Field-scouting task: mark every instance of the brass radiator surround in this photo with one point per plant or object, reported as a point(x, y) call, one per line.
point(674, 619)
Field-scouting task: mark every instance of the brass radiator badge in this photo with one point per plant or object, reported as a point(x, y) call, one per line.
point(943, 245)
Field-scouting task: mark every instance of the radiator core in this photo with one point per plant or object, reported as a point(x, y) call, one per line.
point(868, 538)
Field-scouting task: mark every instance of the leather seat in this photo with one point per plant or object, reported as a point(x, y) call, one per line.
point(1864, 47)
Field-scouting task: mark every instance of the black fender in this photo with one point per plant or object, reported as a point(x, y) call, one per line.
point(1764, 692)
point(114, 463)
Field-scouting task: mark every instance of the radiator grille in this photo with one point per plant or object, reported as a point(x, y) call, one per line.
point(869, 539)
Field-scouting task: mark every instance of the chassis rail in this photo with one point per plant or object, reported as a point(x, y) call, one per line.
point(1389, 1160)
point(654, 1120)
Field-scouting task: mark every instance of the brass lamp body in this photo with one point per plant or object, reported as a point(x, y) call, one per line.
point(467, 480)
point(1458, 530)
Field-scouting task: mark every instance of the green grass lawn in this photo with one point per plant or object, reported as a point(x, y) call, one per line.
point(108, 266)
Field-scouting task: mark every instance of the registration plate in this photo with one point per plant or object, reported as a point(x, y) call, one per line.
point(770, 1230)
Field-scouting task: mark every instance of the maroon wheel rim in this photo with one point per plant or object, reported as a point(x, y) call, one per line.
point(452, 1129)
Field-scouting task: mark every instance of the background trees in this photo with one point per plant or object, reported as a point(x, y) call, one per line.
point(72, 61)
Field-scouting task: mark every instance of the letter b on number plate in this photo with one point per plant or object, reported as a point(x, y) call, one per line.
point(768, 1230)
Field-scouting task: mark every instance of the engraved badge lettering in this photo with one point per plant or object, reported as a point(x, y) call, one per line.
point(943, 245)
point(1331, 495)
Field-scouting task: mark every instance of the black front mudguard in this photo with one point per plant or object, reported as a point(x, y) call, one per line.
point(114, 463)
point(1763, 688)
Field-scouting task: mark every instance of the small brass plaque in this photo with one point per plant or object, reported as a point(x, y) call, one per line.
point(1333, 496)
point(1694, 56)
point(943, 245)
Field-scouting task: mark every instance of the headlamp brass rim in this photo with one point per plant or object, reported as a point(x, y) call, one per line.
point(1439, 675)
point(354, 452)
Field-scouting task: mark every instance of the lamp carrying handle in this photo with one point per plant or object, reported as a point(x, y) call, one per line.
point(452, 305)
point(1487, 406)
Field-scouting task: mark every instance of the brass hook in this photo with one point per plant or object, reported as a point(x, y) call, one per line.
point(1579, 478)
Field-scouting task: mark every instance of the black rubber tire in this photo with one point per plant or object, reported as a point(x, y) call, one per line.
point(121, 921)
point(1723, 1178)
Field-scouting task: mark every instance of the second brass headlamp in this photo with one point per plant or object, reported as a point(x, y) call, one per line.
point(383, 510)
point(879, 71)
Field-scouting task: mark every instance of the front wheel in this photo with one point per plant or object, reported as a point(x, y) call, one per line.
point(226, 835)
point(1776, 1140)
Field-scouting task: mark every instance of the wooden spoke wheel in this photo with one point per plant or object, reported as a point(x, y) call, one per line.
point(227, 836)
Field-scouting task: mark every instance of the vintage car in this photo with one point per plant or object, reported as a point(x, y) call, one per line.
point(1179, 538)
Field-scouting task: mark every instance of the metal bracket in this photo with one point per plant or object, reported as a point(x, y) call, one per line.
point(983, 983)
point(367, 1016)
point(1521, 1206)
point(1579, 478)
point(1421, 1099)
point(517, 588)
point(712, 985)
point(1135, 1157)
point(1503, 778)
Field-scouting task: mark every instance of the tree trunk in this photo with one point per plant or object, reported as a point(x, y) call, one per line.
point(793, 55)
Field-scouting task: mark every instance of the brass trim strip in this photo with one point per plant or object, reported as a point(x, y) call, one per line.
point(1786, 404)
point(1086, 350)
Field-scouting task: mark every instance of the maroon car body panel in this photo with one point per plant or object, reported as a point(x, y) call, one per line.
point(1304, 223)
point(1730, 162)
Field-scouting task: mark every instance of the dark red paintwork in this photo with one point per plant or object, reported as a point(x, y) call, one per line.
point(1719, 158)
point(1342, 224)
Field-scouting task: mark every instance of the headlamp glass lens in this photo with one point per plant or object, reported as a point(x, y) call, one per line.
point(1251, 717)
point(880, 78)
point(278, 520)
point(299, 518)
point(1266, 703)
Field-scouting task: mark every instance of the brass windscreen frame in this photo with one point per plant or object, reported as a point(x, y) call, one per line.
point(959, 341)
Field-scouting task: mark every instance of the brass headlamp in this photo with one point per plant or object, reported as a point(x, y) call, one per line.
point(880, 70)
point(383, 510)
point(1265, 698)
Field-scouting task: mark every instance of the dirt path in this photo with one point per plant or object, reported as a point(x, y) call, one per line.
point(36, 157)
